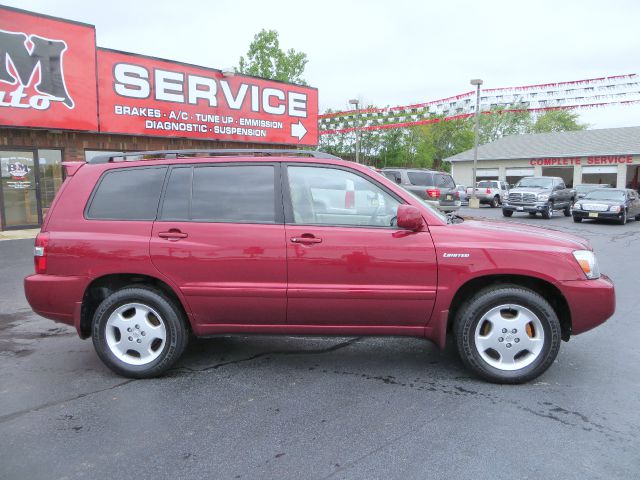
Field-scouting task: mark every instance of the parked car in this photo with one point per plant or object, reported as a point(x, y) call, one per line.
point(542, 195)
point(492, 192)
point(462, 194)
point(618, 204)
point(584, 188)
point(436, 188)
point(140, 254)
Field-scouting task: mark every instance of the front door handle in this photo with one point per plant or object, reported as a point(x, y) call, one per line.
point(306, 239)
point(173, 234)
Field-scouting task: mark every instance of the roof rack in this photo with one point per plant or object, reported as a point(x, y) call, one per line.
point(161, 154)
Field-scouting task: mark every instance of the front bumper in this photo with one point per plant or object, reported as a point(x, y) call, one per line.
point(536, 207)
point(591, 302)
point(598, 215)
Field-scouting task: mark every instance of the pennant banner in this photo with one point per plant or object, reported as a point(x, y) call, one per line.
point(588, 93)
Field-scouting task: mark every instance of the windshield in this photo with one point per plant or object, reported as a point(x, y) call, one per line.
point(535, 182)
point(606, 194)
point(437, 212)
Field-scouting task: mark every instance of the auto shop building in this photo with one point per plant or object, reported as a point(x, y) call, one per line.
point(609, 155)
point(64, 99)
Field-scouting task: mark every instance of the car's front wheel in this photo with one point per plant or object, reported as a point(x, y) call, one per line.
point(139, 332)
point(577, 219)
point(507, 334)
point(623, 218)
point(547, 213)
point(507, 213)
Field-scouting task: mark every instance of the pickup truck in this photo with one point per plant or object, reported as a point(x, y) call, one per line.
point(492, 192)
point(542, 195)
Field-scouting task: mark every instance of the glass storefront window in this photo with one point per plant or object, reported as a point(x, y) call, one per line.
point(19, 192)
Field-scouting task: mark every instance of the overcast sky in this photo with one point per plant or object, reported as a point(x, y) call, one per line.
point(386, 52)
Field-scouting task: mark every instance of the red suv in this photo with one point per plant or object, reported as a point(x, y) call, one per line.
point(138, 252)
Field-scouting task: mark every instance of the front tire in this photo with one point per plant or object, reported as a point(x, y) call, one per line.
point(577, 219)
point(547, 213)
point(138, 332)
point(507, 213)
point(623, 218)
point(567, 210)
point(507, 334)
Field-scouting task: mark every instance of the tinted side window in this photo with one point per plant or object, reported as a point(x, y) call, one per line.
point(128, 194)
point(420, 178)
point(175, 205)
point(443, 180)
point(234, 194)
point(394, 176)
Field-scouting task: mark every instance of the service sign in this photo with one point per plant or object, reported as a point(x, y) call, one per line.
point(47, 72)
point(147, 96)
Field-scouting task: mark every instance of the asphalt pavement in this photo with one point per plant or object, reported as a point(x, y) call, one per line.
point(315, 408)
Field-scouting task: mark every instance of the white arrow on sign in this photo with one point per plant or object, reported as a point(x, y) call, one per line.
point(298, 130)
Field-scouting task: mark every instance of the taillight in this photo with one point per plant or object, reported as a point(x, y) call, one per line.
point(435, 193)
point(488, 191)
point(40, 252)
point(457, 194)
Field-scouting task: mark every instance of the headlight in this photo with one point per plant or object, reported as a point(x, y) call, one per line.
point(588, 263)
point(614, 208)
point(578, 206)
point(543, 197)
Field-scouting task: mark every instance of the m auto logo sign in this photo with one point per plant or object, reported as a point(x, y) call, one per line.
point(25, 58)
point(47, 72)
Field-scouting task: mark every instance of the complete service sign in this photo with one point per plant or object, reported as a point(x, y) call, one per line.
point(148, 96)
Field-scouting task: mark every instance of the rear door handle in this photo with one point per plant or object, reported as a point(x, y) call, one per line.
point(303, 239)
point(173, 234)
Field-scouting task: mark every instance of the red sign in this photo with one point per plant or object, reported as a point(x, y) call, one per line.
point(147, 96)
point(47, 72)
point(603, 160)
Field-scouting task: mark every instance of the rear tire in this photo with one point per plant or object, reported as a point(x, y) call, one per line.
point(567, 210)
point(138, 332)
point(507, 213)
point(495, 202)
point(507, 334)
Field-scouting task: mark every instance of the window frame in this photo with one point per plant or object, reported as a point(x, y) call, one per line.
point(277, 185)
point(104, 175)
point(288, 206)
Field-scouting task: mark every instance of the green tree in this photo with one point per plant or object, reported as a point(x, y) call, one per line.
point(500, 123)
point(437, 141)
point(558, 121)
point(266, 59)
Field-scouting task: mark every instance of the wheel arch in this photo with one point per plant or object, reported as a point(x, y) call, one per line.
point(549, 292)
point(101, 287)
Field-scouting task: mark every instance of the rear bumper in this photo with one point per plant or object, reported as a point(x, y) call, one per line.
point(56, 297)
point(591, 302)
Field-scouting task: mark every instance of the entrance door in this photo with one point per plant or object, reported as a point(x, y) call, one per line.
point(19, 189)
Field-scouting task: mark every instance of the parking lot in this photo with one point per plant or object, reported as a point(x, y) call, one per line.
point(270, 407)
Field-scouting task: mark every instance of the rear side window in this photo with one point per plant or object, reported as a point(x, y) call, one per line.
point(444, 180)
point(421, 178)
point(223, 193)
point(127, 194)
point(394, 176)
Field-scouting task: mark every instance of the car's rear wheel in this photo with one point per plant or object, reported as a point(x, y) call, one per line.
point(507, 213)
point(567, 210)
point(139, 332)
point(495, 202)
point(507, 334)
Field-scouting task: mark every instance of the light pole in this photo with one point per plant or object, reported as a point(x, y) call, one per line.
point(473, 201)
point(355, 102)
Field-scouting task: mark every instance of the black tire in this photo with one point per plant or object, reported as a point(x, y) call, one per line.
point(567, 210)
point(175, 325)
point(577, 219)
point(547, 213)
point(507, 213)
point(495, 202)
point(623, 218)
point(475, 309)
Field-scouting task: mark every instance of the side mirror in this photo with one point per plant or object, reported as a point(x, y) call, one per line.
point(409, 217)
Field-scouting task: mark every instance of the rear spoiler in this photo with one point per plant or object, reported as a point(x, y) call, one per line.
point(70, 168)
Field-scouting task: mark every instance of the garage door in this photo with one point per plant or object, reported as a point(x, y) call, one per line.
point(603, 169)
point(488, 172)
point(520, 172)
